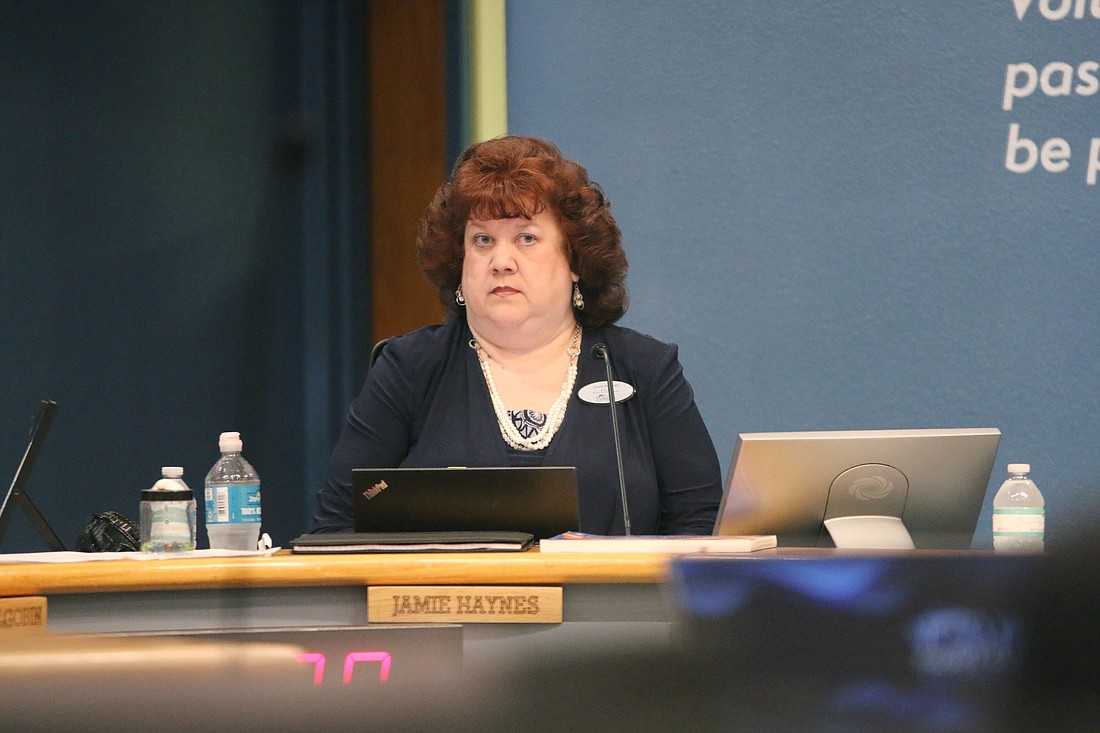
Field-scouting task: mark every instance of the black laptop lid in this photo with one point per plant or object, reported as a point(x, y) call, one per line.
point(539, 500)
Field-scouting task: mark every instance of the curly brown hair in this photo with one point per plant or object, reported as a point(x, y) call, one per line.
point(512, 176)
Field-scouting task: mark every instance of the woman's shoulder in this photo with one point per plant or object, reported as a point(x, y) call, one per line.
point(650, 364)
point(639, 356)
point(628, 343)
point(419, 358)
point(425, 342)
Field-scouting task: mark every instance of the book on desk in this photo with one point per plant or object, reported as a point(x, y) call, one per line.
point(665, 544)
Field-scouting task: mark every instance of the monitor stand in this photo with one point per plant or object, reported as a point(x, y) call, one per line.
point(864, 508)
point(869, 531)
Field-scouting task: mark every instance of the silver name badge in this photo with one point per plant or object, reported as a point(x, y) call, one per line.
point(596, 393)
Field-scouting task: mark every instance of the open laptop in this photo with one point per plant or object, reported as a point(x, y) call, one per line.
point(860, 488)
point(539, 500)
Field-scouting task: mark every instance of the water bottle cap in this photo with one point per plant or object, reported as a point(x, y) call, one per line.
point(1019, 468)
point(230, 443)
point(171, 472)
point(168, 486)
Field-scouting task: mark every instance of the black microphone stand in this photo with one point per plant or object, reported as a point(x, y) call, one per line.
point(600, 352)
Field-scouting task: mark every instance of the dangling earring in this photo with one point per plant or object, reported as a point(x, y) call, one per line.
point(578, 299)
point(458, 295)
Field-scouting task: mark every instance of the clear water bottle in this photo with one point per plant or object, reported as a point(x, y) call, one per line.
point(232, 499)
point(168, 514)
point(1019, 520)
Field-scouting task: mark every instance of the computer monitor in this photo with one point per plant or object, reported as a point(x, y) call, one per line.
point(860, 488)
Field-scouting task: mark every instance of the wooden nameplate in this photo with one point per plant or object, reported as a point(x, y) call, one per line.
point(19, 615)
point(464, 604)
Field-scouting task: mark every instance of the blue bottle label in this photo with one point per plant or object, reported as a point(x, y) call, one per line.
point(233, 503)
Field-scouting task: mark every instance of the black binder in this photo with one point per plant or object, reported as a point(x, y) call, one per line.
point(353, 542)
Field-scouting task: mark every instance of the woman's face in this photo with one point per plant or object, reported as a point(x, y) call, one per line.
point(515, 275)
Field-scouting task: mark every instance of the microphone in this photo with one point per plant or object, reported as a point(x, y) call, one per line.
point(600, 352)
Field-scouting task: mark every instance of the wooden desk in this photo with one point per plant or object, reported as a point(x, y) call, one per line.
point(607, 599)
point(287, 570)
point(612, 603)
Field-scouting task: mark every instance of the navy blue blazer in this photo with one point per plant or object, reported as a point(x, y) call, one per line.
point(425, 404)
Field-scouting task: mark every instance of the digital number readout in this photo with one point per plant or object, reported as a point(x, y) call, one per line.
point(351, 659)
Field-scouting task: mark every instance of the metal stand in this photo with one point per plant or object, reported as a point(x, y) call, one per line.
point(16, 496)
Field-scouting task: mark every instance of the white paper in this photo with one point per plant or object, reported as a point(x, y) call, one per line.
point(62, 557)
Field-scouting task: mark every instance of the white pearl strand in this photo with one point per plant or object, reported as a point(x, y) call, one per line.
point(554, 418)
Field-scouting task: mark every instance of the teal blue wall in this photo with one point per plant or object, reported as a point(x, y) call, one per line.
point(180, 245)
point(816, 207)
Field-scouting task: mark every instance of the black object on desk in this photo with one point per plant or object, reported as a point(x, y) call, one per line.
point(16, 496)
point(352, 542)
point(539, 500)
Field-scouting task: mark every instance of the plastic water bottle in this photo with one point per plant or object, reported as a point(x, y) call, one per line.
point(1018, 513)
point(232, 499)
point(168, 514)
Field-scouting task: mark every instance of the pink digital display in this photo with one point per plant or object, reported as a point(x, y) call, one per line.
point(351, 659)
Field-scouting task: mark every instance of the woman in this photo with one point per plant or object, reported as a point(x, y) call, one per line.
point(529, 265)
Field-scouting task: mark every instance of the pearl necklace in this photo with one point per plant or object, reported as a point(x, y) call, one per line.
point(554, 418)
